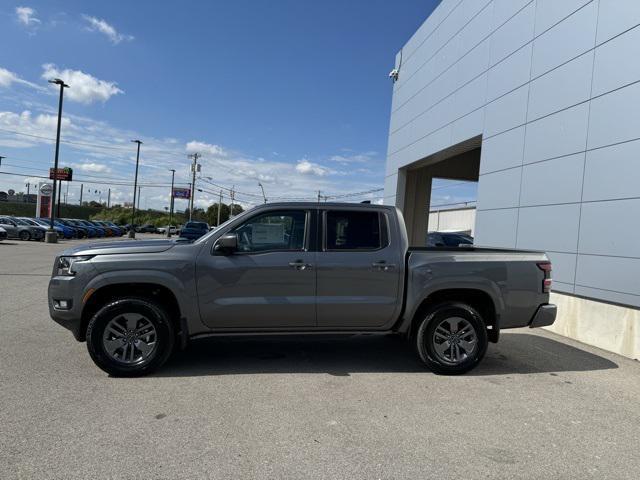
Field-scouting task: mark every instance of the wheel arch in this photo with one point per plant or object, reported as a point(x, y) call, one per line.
point(154, 292)
point(475, 298)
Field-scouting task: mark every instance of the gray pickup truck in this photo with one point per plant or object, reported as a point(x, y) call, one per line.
point(296, 267)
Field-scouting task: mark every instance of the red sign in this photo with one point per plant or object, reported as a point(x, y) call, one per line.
point(65, 174)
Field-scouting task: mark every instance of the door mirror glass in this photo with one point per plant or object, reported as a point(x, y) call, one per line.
point(227, 243)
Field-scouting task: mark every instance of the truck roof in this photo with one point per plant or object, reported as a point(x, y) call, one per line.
point(326, 205)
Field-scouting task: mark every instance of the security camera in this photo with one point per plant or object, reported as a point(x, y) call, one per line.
point(393, 74)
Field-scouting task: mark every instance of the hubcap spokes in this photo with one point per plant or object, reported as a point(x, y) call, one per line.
point(454, 340)
point(129, 338)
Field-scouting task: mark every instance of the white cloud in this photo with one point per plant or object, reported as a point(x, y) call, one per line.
point(7, 78)
point(306, 167)
point(84, 88)
point(354, 158)
point(92, 167)
point(205, 148)
point(51, 121)
point(101, 26)
point(26, 16)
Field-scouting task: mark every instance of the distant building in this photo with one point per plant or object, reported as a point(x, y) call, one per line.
point(539, 102)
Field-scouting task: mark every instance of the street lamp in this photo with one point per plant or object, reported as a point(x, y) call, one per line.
point(51, 236)
point(132, 230)
point(173, 174)
point(263, 195)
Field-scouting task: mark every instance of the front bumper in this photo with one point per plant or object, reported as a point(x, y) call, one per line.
point(544, 316)
point(66, 288)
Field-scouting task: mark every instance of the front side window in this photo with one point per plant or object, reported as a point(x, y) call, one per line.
point(278, 230)
point(356, 230)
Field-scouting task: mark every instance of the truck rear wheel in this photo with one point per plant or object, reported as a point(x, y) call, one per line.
point(451, 338)
point(130, 337)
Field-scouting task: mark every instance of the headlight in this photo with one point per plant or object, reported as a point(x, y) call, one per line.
point(65, 264)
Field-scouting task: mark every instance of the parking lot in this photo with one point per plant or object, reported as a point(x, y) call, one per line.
point(539, 406)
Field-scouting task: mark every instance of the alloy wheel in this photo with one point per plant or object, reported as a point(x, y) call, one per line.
point(129, 338)
point(454, 340)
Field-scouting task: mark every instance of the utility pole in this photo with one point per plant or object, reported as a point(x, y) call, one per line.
point(194, 167)
point(51, 236)
point(1, 157)
point(132, 230)
point(139, 196)
point(109, 199)
point(173, 175)
point(59, 195)
point(319, 196)
point(263, 195)
point(233, 193)
point(66, 197)
point(219, 208)
point(81, 188)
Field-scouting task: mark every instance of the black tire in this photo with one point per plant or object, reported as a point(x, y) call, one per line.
point(427, 340)
point(147, 309)
point(24, 235)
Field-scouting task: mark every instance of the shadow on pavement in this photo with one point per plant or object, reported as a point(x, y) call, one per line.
point(340, 356)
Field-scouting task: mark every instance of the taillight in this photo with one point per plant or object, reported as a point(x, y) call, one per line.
point(546, 283)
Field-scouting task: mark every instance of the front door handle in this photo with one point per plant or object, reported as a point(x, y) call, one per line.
point(382, 265)
point(300, 265)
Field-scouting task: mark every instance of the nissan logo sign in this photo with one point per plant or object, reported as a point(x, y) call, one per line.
point(46, 189)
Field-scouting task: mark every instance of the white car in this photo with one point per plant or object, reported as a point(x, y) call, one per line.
point(174, 230)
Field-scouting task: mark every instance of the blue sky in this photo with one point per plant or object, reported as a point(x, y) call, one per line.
point(292, 94)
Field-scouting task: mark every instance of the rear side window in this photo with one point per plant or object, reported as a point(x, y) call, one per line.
point(355, 230)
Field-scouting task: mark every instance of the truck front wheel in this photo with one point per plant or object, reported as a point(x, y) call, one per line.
point(130, 337)
point(451, 338)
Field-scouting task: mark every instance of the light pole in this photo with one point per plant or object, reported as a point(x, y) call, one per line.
point(195, 167)
point(51, 236)
point(263, 195)
point(132, 230)
point(173, 175)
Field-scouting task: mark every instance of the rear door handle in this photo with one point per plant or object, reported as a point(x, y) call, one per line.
point(382, 265)
point(300, 265)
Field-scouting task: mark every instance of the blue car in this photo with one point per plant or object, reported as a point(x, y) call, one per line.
point(61, 229)
point(194, 230)
point(91, 231)
point(80, 232)
point(99, 232)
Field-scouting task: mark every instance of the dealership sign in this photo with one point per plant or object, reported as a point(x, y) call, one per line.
point(65, 174)
point(182, 193)
point(43, 202)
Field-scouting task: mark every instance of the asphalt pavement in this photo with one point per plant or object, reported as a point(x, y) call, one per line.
point(362, 407)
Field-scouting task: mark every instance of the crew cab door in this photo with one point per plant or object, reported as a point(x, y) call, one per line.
point(269, 281)
point(358, 270)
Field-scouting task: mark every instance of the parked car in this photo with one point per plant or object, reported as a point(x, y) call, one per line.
point(172, 228)
point(61, 228)
point(31, 221)
point(81, 232)
point(147, 228)
point(194, 230)
point(3, 234)
point(296, 267)
point(448, 239)
point(17, 229)
point(115, 229)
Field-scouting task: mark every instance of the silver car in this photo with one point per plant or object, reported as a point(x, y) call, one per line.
point(18, 229)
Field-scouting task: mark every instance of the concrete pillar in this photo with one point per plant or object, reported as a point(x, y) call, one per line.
point(416, 205)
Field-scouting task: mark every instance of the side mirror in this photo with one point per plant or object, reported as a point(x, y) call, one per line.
point(227, 243)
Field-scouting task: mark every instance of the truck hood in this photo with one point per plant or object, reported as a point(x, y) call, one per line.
point(122, 247)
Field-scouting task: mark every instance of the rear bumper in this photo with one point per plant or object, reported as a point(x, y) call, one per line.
point(544, 316)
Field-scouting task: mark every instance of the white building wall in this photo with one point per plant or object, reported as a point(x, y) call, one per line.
point(553, 87)
point(453, 220)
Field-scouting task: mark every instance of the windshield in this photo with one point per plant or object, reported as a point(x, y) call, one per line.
point(20, 222)
point(28, 221)
point(197, 225)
